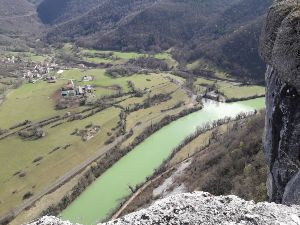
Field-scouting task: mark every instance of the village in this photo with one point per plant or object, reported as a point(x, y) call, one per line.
point(49, 72)
point(33, 71)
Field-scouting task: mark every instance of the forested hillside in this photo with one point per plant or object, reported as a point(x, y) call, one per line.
point(224, 33)
point(14, 7)
point(231, 42)
point(15, 16)
point(18, 20)
point(57, 11)
point(215, 34)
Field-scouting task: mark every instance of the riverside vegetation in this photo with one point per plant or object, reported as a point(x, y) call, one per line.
point(215, 162)
point(135, 167)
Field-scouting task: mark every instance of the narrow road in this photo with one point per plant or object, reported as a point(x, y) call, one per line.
point(124, 206)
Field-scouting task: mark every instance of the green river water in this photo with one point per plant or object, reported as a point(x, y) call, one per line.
point(106, 193)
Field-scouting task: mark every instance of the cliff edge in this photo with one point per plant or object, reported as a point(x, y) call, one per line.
point(280, 49)
point(203, 208)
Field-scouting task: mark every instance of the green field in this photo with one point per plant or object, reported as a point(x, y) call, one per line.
point(36, 58)
point(30, 56)
point(36, 102)
point(206, 66)
point(22, 153)
point(230, 89)
point(90, 55)
point(29, 102)
point(236, 91)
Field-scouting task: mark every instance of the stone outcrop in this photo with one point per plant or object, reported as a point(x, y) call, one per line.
point(280, 48)
point(204, 208)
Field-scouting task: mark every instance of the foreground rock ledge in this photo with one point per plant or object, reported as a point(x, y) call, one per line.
point(203, 208)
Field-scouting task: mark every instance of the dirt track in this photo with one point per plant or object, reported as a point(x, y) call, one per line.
point(119, 212)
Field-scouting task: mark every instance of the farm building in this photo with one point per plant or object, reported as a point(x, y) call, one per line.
point(51, 79)
point(87, 89)
point(86, 78)
point(79, 90)
point(68, 89)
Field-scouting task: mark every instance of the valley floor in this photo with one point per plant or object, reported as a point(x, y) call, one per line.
point(75, 135)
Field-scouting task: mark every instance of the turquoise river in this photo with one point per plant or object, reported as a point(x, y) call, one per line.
point(104, 195)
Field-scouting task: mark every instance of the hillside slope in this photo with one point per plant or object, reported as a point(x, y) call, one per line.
point(19, 21)
point(103, 18)
point(217, 31)
point(18, 16)
point(164, 21)
point(232, 163)
point(14, 7)
point(236, 52)
point(57, 11)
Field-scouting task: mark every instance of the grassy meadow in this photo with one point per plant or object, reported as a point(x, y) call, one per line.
point(36, 102)
point(115, 57)
point(230, 89)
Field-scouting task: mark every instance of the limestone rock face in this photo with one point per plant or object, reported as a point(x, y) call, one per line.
point(280, 45)
point(206, 209)
point(292, 191)
point(280, 48)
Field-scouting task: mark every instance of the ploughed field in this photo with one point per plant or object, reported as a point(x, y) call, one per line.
point(42, 138)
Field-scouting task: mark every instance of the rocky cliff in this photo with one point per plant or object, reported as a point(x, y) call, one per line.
point(280, 48)
point(203, 208)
